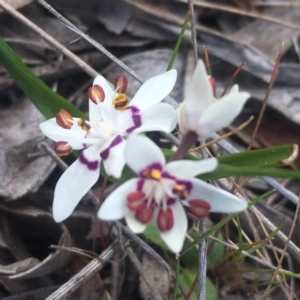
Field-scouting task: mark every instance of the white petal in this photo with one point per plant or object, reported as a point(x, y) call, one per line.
point(141, 152)
point(154, 90)
point(221, 113)
point(219, 199)
point(174, 238)
point(183, 126)
point(97, 112)
point(115, 205)
point(159, 117)
point(75, 182)
point(112, 155)
point(134, 225)
point(184, 169)
point(199, 96)
point(234, 89)
point(74, 136)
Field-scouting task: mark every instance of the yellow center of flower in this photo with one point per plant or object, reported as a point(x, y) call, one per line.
point(152, 174)
point(120, 102)
point(155, 174)
point(82, 123)
point(181, 191)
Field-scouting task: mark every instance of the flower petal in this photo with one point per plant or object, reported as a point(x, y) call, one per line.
point(219, 199)
point(159, 117)
point(141, 152)
point(134, 225)
point(221, 113)
point(154, 90)
point(174, 238)
point(75, 182)
point(234, 89)
point(199, 96)
point(98, 111)
point(185, 169)
point(112, 155)
point(74, 136)
point(115, 205)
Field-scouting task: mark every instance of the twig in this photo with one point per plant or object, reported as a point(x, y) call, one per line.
point(146, 247)
point(202, 262)
point(280, 189)
point(71, 26)
point(265, 102)
point(98, 46)
point(48, 38)
point(193, 26)
point(233, 10)
point(87, 272)
point(294, 250)
point(284, 249)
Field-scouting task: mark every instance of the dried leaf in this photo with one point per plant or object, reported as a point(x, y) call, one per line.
point(157, 276)
point(23, 166)
point(17, 3)
point(38, 231)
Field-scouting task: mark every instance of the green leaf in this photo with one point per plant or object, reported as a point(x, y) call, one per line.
point(190, 257)
point(217, 252)
point(227, 170)
point(179, 41)
point(249, 163)
point(46, 101)
point(268, 157)
point(187, 277)
point(153, 235)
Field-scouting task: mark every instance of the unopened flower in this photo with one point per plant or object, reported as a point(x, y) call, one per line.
point(161, 190)
point(111, 117)
point(200, 112)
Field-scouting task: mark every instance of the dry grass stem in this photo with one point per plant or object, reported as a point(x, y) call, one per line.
point(61, 48)
point(240, 12)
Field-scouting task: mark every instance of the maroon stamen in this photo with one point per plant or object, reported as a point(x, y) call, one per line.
point(199, 208)
point(135, 200)
point(121, 84)
point(165, 219)
point(96, 94)
point(144, 213)
point(64, 119)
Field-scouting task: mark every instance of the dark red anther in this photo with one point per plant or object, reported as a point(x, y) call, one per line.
point(199, 208)
point(165, 219)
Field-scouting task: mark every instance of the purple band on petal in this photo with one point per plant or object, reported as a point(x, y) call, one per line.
point(140, 185)
point(91, 165)
point(117, 140)
point(136, 118)
point(168, 176)
point(148, 169)
point(171, 201)
point(188, 185)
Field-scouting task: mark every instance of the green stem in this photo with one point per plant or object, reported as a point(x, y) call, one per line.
point(186, 143)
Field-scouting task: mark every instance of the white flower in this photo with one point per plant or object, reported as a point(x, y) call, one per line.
point(111, 116)
point(160, 191)
point(201, 112)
